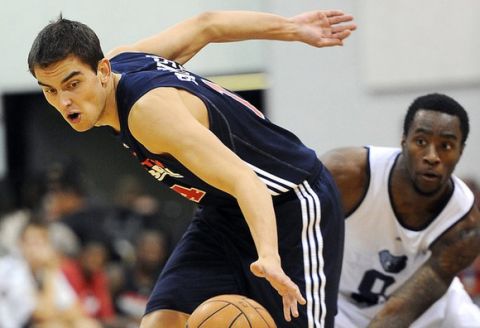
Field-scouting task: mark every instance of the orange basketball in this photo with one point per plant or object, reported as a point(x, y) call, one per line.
point(235, 311)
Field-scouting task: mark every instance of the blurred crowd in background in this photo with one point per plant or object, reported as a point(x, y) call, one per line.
point(68, 259)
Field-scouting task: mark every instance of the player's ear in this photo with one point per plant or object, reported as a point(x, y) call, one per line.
point(104, 70)
point(403, 141)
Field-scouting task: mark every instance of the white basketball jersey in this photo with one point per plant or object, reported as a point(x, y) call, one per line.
point(381, 254)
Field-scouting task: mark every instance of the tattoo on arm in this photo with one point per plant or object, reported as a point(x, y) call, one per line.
point(451, 253)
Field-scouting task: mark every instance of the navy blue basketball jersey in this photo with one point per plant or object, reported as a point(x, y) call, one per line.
point(276, 155)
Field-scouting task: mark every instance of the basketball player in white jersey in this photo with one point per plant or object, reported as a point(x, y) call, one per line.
point(411, 226)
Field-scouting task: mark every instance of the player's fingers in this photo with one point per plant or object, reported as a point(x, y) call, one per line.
point(294, 309)
point(299, 297)
point(329, 42)
point(340, 19)
point(342, 35)
point(333, 12)
point(286, 309)
point(344, 27)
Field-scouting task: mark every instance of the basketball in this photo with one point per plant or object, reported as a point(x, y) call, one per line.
point(235, 311)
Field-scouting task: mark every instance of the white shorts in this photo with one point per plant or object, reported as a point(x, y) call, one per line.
point(454, 309)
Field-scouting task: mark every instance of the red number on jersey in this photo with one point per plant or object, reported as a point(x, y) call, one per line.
point(193, 194)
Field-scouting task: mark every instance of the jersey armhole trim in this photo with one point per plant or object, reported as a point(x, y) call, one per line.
point(365, 192)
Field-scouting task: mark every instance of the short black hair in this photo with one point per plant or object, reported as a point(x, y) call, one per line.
point(439, 103)
point(62, 38)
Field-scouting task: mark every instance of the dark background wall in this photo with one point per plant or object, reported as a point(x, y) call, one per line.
point(37, 136)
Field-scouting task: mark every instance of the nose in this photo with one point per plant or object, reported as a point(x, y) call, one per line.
point(65, 100)
point(431, 155)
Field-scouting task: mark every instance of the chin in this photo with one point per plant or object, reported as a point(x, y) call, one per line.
point(80, 128)
point(427, 191)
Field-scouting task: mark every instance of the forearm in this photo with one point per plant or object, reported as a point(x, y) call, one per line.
point(411, 300)
point(256, 205)
point(224, 26)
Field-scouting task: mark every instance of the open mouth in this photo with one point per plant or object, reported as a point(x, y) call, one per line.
point(430, 176)
point(73, 117)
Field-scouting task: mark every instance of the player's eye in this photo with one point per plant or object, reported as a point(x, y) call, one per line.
point(73, 84)
point(50, 90)
point(447, 146)
point(420, 142)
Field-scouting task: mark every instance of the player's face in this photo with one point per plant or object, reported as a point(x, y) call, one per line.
point(432, 149)
point(75, 90)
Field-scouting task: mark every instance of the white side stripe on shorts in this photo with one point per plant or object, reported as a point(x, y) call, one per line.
point(312, 243)
point(275, 185)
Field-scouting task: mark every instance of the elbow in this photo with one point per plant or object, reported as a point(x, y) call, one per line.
point(249, 183)
point(207, 22)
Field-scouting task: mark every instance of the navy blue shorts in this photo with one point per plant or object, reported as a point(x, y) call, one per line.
point(214, 256)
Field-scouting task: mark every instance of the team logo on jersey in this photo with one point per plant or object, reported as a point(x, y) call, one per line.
point(164, 64)
point(392, 263)
point(158, 170)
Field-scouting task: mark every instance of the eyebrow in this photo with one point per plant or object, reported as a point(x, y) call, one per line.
point(68, 77)
point(447, 134)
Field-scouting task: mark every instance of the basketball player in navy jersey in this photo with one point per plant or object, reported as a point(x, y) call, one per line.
point(267, 207)
point(411, 225)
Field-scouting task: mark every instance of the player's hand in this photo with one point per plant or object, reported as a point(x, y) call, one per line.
point(324, 28)
point(270, 269)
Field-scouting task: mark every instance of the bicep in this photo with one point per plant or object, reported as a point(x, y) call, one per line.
point(458, 247)
point(179, 42)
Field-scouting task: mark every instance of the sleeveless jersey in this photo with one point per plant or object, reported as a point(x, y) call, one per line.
point(381, 254)
point(276, 155)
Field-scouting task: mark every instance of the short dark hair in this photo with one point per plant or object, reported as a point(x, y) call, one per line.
point(62, 38)
point(439, 103)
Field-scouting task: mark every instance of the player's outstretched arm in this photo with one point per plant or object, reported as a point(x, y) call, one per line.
point(322, 28)
point(451, 253)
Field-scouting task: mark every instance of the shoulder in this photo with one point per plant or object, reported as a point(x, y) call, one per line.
point(157, 118)
point(350, 170)
point(152, 105)
point(119, 50)
point(349, 162)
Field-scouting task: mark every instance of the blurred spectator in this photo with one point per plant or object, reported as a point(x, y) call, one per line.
point(152, 251)
point(130, 194)
point(88, 277)
point(56, 304)
point(17, 291)
point(11, 225)
point(70, 201)
point(134, 210)
point(14, 218)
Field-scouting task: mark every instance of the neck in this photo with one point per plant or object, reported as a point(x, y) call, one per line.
point(110, 114)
